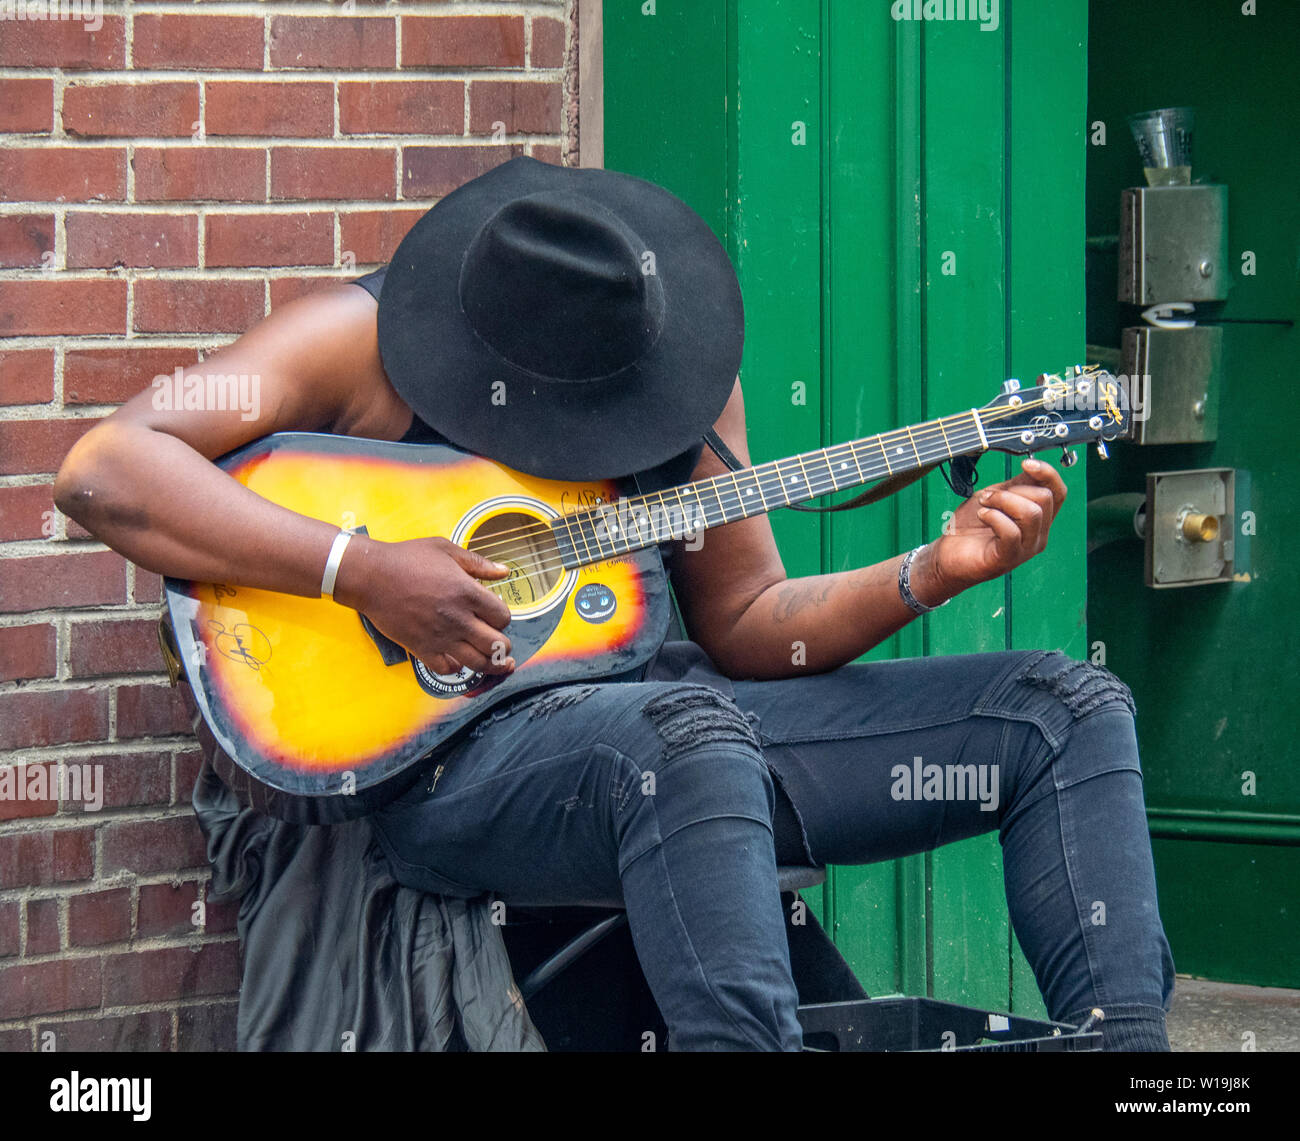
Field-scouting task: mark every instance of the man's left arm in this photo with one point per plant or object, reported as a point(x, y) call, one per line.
point(754, 622)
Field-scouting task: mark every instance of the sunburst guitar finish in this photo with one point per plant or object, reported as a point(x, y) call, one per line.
point(318, 706)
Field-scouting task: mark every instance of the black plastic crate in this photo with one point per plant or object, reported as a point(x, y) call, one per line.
point(926, 1024)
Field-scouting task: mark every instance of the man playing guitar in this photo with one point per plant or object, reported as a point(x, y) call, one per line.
point(759, 756)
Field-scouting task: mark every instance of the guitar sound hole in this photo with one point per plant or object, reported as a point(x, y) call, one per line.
point(525, 544)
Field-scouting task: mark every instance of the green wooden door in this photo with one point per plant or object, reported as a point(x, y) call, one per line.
point(904, 205)
point(1212, 667)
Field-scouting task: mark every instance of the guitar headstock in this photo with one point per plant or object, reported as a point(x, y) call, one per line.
point(1082, 405)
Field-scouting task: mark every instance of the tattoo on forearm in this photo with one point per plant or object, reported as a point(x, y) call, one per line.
point(795, 597)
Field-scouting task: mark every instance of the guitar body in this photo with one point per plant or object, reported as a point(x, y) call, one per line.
point(327, 715)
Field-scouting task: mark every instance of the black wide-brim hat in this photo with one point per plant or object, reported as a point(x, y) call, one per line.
point(568, 323)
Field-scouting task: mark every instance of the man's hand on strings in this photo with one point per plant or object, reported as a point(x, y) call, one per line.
point(997, 529)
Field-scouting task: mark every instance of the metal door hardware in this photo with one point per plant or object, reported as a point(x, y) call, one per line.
point(1176, 374)
point(1189, 527)
point(1173, 244)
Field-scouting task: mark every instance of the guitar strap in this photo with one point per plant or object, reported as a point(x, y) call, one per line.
point(873, 494)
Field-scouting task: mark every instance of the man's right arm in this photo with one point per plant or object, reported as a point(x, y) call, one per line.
point(142, 482)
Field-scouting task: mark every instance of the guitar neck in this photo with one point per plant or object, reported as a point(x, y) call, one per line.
point(681, 512)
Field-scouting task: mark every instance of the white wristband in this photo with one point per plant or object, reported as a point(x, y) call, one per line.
point(333, 563)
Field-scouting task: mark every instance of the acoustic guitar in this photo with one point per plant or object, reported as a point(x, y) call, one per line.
point(327, 717)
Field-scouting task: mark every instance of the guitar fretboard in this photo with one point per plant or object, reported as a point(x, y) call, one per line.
point(631, 524)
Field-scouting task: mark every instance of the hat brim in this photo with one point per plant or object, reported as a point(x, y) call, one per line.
point(630, 421)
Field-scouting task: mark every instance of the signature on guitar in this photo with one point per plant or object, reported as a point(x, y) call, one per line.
point(242, 643)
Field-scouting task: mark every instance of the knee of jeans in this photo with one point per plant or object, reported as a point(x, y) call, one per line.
point(705, 750)
point(687, 718)
point(1081, 688)
point(1069, 700)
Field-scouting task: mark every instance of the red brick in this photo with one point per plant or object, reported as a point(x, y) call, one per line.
point(26, 513)
point(141, 846)
point(9, 931)
point(99, 917)
point(62, 308)
point(44, 988)
point(222, 918)
point(148, 586)
point(25, 240)
point(197, 305)
point(209, 1026)
point(110, 376)
point(548, 43)
point(17, 1041)
point(156, 240)
point(207, 42)
point(333, 41)
point(27, 105)
point(330, 172)
point(286, 289)
point(63, 174)
point(26, 651)
point(42, 926)
point(167, 909)
point(170, 973)
point(150, 711)
point(270, 239)
point(63, 43)
point(129, 780)
point(148, 109)
point(524, 108)
point(463, 41)
point(372, 235)
point(37, 859)
point(150, 1030)
point(26, 376)
point(271, 107)
point(548, 152)
point(101, 647)
point(431, 172)
point(24, 781)
point(54, 581)
point(187, 765)
point(29, 719)
point(200, 174)
point(430, 107)
point(31, 447)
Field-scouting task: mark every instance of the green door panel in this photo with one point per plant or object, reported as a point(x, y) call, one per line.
point(880, 187)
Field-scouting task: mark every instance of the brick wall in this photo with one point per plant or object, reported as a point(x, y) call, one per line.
point(166, 180)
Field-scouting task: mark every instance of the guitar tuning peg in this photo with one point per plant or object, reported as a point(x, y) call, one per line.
point(1068, 457)
point(1009, 386)
point(1101, 450)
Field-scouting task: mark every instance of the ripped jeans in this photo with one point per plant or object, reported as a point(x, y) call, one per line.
point(662, 792)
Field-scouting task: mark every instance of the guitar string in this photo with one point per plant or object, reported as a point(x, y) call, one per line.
point(504, 540)
point(549, 567)
point(619, 544)
point(495, 540)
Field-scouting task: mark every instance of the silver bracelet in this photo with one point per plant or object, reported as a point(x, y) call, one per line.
point(905, 584)
point(332, 564)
